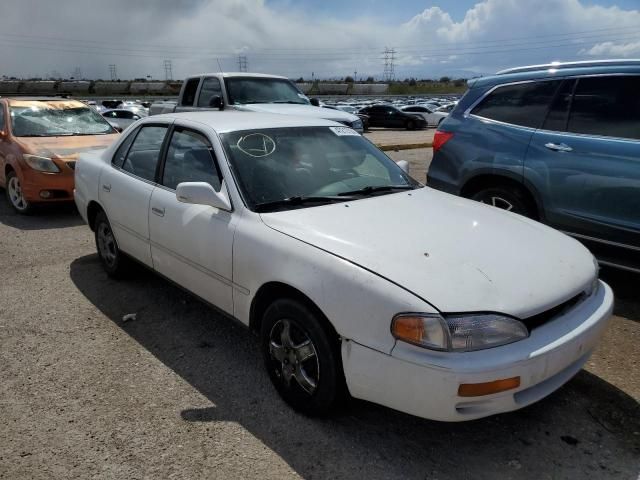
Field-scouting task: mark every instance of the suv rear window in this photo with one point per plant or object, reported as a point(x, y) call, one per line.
point(523, 104)
point(608, 106)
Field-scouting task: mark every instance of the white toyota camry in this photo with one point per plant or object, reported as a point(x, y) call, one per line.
point(357, 278)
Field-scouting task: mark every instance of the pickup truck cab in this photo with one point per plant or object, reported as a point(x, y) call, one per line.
point(249, 92)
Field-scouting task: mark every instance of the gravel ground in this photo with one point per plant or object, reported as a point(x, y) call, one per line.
point(181, 393)
point(395, 136)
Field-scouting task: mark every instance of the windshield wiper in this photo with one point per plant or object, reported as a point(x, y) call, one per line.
point(369, 190)
point(290, 101)
point(296, 201)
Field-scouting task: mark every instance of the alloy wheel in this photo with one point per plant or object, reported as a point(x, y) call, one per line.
point(15, 194)
point(498, 202)
point(107, 244)
point(294, 356)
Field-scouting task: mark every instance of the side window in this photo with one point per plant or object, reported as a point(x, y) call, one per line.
point(121, 153)
point(557, 116)
point(143, 155)
point(190, 89)
point(190, 159)
point(210, 88)
point(109, 114)
point(1, 116)
point(523, 104)
point(125, 114)
point(608, 106)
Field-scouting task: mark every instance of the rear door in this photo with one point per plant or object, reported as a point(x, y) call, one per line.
point(192, 244)
point(126, 187)
point(586, 159)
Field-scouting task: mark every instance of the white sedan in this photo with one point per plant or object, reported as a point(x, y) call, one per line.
point(432, 115)
point(358, 279)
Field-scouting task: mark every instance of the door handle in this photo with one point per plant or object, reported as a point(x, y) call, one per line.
point(106, 188)
point(158, 211)
point(558, 147)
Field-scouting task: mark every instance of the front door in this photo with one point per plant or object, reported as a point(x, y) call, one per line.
point(192, 244)
point(587, 160)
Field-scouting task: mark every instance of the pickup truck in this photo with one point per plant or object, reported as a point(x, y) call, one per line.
point(249, 92)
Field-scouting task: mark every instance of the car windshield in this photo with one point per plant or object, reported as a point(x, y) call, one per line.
point(243, 90)
point(56, 118)
point(283, 168)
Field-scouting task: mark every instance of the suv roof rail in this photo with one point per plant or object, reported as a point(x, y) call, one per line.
point(579, 64)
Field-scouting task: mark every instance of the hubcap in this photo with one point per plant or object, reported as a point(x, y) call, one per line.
point(106, 244)
point(294, 356)
point(15, 194)
point(498, 202)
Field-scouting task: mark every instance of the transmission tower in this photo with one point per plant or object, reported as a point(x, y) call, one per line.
point(242, 63)
point(168, 74)
point(389, 58)
point(77, 73)
point(113, 72)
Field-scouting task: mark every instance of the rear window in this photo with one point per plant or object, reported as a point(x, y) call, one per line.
point(523, 104)
point(608, 106)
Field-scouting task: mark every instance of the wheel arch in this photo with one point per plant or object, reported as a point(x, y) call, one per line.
point(92, 212)
point(489, 180)
point(272, 291)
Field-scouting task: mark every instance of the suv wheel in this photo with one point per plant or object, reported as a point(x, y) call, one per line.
point(505, 198)
point(301, 357)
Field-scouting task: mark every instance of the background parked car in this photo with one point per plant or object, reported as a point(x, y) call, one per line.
point(40, 139)
point(390, 117)
point(121, 118)
point(559, 143)
point(363, 117)
point(432, 116)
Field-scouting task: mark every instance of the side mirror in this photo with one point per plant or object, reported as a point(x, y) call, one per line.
point(315, 102)
point(201, 193)
point(404, 166)
point(216, 102)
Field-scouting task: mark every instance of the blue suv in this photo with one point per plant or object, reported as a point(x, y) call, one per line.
point(559, 143)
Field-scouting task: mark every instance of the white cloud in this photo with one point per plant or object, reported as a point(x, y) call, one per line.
point(195, 34)
point(611, 49)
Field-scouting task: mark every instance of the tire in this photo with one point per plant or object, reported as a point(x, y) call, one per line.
point(411, 125)
point(304, 364)
point(506, 198)
point(114, 262)
point(15, 196)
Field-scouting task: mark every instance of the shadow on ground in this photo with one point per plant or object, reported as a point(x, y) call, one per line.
point(626, 286)
point(45, 217)
point(589, 427)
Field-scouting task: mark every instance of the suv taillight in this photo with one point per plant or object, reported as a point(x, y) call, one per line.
point(440, 138)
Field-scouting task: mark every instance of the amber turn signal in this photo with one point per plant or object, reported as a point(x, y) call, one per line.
point(487, 388)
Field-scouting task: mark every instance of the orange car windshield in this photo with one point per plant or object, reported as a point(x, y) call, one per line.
point(56, 118)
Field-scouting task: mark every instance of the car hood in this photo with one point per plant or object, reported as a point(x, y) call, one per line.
point(458, 255)
point(302, 110)
point(66, 147)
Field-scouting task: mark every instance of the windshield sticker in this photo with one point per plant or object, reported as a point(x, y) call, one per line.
point(256, 145)
point(344, 131)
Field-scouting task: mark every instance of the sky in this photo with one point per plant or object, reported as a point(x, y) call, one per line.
point(308, 38)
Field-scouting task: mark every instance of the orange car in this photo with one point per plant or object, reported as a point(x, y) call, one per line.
point(40, 140)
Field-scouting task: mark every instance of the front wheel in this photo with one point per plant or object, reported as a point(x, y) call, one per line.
point(15, 195)
point(411, 125)
point(505, 198)
point(301, 357)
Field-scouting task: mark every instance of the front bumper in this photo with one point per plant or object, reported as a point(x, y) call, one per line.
point(60, 185)
point(425, 383)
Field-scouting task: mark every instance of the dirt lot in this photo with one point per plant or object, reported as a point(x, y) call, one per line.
point(181, 393)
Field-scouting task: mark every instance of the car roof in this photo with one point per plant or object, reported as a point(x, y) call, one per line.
point(559, 70)
point(35, 98)
point(232, 121)
point(238, 74)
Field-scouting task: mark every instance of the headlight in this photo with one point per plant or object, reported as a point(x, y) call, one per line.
point(457, 332)
point(356, 124)
point(42, 164)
